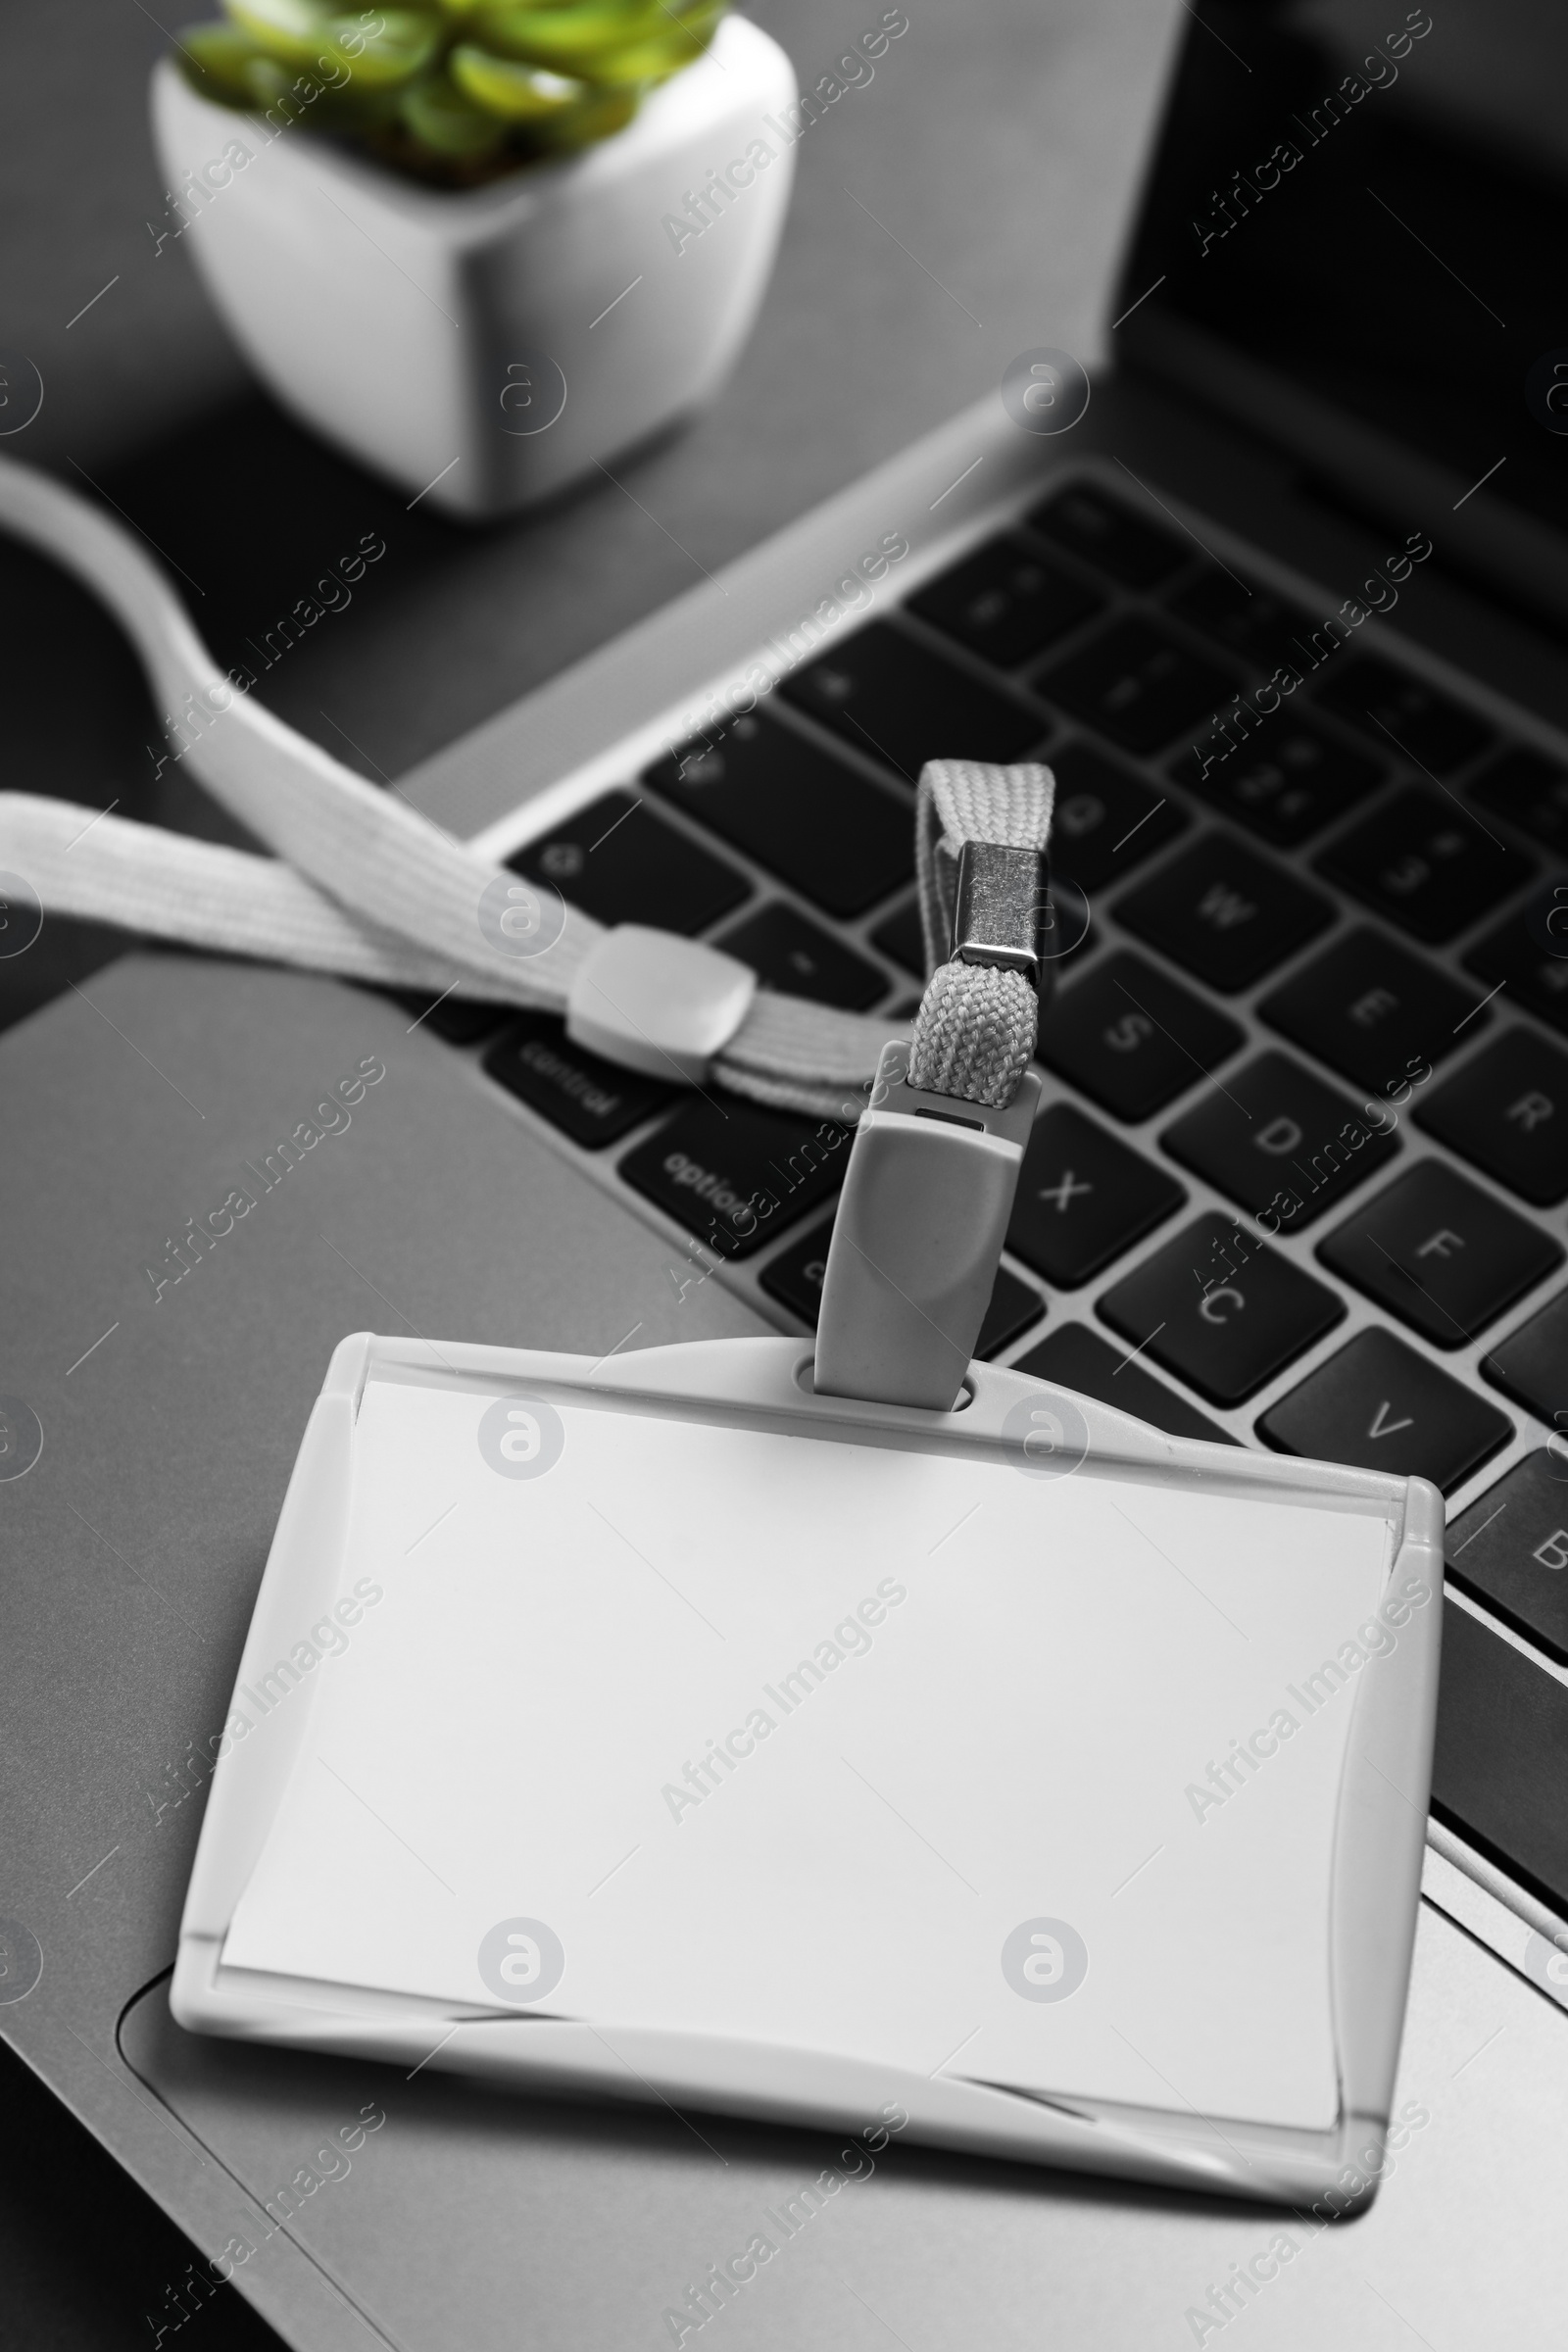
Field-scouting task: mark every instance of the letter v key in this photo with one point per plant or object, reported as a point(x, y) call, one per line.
point(1379, 1428)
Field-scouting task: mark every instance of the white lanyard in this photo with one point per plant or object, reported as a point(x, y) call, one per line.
point(367, 888)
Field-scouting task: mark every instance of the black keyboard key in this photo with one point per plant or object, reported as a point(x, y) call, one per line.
point(1284, 781)
point(797, 1275)
point(901, 938)
point(1511, 1548)
point(1380, 1406)
point(1014, 1307)
point(738, 1177)
point(1397, 712)
point(1083, 1199)
point(1247, 620)
point(1531, 791)
point(898, 702)
point(1528, 953)
point(1132, 1040)
point(1373, 1012)
point(1507, 1111)
point(1444, 1256)
point(1278, 1140)
point(1138, 684)
point(1224, 912)
point(460, 1020)
point(1075, 1357)
point(790, 954)
point(1005, 603)
point(1106, 821)
point(795, 1278)
point(1502, 1759)
point(1425, 865)
point(623, 864)
point(1220, 1308)
point(1108, 535)
point(1530, 1365)
point(816, 822)
point(593, 1100)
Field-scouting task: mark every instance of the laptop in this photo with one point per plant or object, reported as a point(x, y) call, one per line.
point(1280, 604)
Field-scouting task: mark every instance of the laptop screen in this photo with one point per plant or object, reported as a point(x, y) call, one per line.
point(1358, 214)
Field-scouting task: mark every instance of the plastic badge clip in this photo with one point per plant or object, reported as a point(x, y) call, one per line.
point(918, 1238)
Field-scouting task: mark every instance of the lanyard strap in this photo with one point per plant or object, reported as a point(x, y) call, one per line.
point(363, 885)
point(929, 1189)
point(974, 1033)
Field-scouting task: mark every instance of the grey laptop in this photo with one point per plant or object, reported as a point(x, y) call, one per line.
point(1280, 609)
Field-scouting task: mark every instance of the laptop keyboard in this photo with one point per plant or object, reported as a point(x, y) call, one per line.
point(1499, 1113)
point(1225, 1332)
point(621, 863)
point(1244, 1199)
point(779, 800)
point(1224, 912)
point(1423, 865)
point(1366, 1006)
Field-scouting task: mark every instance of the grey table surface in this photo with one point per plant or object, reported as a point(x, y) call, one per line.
point(968, 203)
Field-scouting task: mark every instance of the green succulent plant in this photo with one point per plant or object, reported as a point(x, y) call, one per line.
point(454, 91)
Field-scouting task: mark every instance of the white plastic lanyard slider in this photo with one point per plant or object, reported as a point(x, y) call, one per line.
point(929, 1189)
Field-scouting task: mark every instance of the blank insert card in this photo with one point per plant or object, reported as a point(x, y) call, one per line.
point(831, 1744)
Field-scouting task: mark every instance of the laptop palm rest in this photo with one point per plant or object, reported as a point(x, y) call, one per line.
point(467, 2213)
point(520, 2221)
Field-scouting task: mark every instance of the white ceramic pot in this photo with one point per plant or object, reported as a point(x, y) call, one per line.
point(485, 346)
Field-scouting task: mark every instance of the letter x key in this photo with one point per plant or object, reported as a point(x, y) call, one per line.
point(1064, 1191)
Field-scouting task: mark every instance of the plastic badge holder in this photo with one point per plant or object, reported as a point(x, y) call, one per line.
point(664, 1728)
